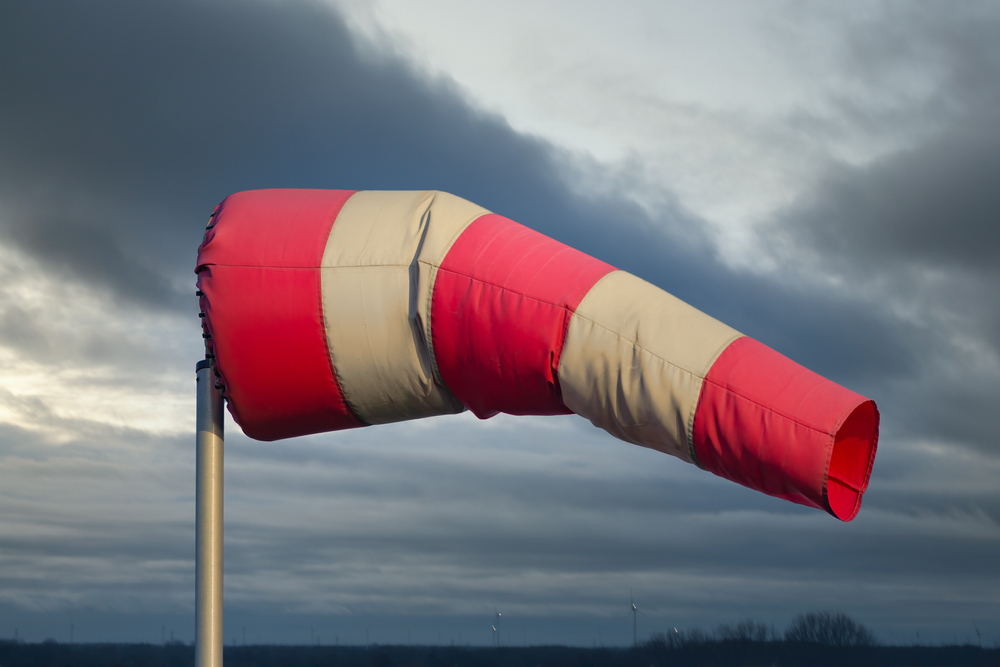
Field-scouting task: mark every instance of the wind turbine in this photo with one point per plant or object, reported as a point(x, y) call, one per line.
point(496, 626)
point(635, 610)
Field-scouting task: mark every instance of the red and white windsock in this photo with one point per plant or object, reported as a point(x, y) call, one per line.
point(333, 309)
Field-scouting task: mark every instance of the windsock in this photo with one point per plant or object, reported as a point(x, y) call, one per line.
point(333, 309)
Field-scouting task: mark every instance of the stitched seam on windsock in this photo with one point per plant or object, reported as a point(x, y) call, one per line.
point(655, 358)
point(630, 329)
point(640, 347)
point(772, 409)
point(432, 272)
point(689, 426)
point(570, 313)
point(511, 291)
point(326, 339)
point(767, 410)
point(433, 268)
point(386, 245)
point(569, 320)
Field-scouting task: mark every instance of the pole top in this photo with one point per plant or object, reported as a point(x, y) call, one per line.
point(204, 363)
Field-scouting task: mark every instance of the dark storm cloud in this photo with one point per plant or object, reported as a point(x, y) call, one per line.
point(158, 111)
point(89, 253)
point(124, 123)
point(919, 228)
point(935, 206)
point(936, 203)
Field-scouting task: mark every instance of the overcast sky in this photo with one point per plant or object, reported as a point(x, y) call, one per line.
point(823, 177)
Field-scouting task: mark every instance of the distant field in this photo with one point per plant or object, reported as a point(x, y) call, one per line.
point(715, 653)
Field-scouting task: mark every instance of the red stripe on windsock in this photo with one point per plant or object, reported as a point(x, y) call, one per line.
point(502, 301)
point(767, 423)
point(259, 271)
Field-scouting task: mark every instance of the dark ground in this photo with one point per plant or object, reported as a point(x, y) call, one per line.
point(720, 653)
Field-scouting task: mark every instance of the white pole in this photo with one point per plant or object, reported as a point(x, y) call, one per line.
point(208, 523)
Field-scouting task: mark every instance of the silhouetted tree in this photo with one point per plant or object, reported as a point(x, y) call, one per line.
point(747, 631)
point(830, 629)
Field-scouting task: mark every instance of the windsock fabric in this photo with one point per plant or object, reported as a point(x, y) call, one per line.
point(333, 309)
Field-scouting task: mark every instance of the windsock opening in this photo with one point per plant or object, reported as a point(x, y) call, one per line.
point(851, 461)
point(768, 423)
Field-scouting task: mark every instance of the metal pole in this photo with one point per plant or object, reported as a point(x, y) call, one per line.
point(208, 528)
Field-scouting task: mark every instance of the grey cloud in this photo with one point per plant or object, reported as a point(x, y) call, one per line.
point(918, 230)
point(147, 115)
point(135, 352)
point(933, 206)
point(350, 524)
point(21, 330)
point(557, 516)
point(90, 254)
point(122, 125)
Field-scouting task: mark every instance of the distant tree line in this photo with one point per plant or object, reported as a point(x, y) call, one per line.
point(825, 628)
point(819, 639)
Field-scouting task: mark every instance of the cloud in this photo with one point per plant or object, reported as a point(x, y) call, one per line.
point(933, 206)
point(146, 116)
point(121, 126)
point(914, 232)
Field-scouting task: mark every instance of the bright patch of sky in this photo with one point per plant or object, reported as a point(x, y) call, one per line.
point(733, 107)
